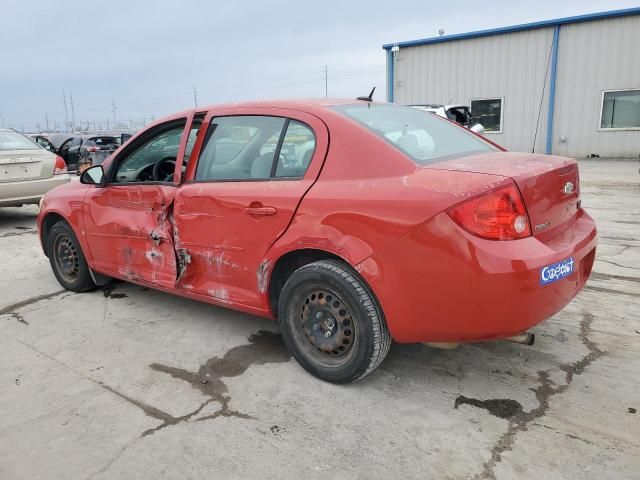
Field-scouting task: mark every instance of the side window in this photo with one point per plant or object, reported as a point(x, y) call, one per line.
point(66, 146)
point(138, 166)
point(193, 133)
point(240, 148)
point(297, 149)
point(44, 143)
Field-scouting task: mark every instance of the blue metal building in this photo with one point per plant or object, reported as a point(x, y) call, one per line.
point(568, 86)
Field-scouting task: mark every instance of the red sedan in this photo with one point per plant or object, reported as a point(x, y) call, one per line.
point(350, 222)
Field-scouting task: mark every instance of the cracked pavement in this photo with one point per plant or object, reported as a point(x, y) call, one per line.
point(127, 382)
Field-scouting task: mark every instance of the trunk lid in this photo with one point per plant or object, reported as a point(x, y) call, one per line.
point(22, 165)
point(549, 184)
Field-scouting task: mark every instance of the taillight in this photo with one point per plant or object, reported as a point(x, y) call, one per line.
point(496, 215)
point(60, 166)
point(92, 149)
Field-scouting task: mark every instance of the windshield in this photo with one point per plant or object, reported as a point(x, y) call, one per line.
point(10, 140)
point(424, 137)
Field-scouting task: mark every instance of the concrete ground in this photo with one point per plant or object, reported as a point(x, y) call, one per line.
point(109, 384)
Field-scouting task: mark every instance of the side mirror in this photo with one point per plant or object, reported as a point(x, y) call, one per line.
point(94, 176)
point(477, 128)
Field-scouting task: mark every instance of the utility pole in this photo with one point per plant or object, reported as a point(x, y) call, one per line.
point(195, 96)
point(66, 113)
point(113, 109)
point(73, 113)
point(46, 120)
point(326, 81)
point(2, 119)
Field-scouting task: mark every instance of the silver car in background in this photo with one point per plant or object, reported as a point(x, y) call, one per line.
point(27, 171)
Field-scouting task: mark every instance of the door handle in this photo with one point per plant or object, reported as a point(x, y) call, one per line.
point(261, 210)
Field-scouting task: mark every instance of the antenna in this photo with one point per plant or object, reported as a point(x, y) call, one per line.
point(369, 98)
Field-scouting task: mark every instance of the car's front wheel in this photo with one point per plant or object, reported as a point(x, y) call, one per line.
point(332, 323)
point(67, 260)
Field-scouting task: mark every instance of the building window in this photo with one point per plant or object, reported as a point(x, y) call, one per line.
point(620, 109)
point(488, 111)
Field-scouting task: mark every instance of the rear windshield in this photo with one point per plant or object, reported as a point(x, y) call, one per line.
point(14, 141)
point(421, 135)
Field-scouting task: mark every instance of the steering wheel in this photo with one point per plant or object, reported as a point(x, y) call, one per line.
point(164, 169)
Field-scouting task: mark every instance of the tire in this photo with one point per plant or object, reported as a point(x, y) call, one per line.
point(67, 259)
point(332, 323)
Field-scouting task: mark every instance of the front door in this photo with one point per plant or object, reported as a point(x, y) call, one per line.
point(251, 174)
point(127, 222)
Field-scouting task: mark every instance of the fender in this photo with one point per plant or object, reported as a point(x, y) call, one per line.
point(63, 201)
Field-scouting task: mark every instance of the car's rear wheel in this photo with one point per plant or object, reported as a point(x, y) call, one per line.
point(67, 260)
point(331, 322)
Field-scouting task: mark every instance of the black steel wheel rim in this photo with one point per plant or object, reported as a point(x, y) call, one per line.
point(65, 254)
point(327, 324)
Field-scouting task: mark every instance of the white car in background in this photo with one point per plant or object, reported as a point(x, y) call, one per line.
point(456, 113)
point(27, 170)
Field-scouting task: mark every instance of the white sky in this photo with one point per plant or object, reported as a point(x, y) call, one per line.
point(147, 55)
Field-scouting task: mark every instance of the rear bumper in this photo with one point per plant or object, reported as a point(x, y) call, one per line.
point(440, 284)
point(30, 191)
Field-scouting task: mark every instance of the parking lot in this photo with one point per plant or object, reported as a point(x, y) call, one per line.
point(126, 382)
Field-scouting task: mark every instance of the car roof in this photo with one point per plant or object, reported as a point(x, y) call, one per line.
point(304, 104)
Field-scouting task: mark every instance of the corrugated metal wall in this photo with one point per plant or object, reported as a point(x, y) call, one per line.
point(592, 56)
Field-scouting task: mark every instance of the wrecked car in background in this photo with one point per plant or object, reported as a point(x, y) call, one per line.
point(461, 114)
point(350, 222)
point(27, 170)
point(80, 150)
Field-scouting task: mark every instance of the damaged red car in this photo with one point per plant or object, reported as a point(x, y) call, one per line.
point(350, 222)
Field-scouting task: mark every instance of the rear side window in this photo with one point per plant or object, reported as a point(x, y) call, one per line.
point(298, 146)
point(425, 138)
point(254, 147)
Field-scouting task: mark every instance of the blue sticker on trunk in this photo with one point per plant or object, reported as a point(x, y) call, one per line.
point(556, 271)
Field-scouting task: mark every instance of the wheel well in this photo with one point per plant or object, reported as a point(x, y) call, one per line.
point(49, 221)
point(289, 263)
